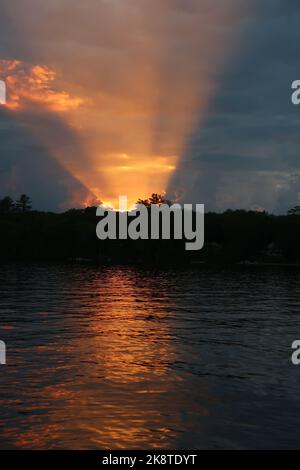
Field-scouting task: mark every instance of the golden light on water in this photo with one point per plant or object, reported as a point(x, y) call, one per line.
point(113, 374)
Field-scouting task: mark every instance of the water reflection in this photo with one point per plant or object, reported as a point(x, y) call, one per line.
point(130, 348)
point(125, 358)
point(104, 378)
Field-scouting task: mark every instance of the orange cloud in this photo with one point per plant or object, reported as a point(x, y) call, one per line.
point(34, 84)
point(150, 70)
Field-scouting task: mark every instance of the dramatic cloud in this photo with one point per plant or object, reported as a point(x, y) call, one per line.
point(32, 84)
point(134, 96)
point(246, 153)
point(142, 71)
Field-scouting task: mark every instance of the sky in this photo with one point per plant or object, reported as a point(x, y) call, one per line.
point(130, 97)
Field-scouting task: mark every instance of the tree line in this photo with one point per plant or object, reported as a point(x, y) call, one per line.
point(234, 236)
point(23, 204)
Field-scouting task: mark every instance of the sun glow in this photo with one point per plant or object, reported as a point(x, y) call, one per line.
point(131, 105)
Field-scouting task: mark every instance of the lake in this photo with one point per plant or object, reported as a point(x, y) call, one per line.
point(122, 357)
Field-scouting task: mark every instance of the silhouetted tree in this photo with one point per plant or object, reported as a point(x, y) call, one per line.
point(24, 203)
point(154, 199)
point(236, 236)
point(294, 211)
point(7, 204)
point(145, 202)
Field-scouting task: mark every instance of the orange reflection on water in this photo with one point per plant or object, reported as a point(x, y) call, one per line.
point(107, 379)
point(133, 358)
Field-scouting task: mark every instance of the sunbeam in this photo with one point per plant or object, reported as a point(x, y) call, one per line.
point(135, 90)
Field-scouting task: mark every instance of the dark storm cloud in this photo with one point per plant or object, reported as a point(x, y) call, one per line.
point(144, 66)
point(247, 152)
point(27, 161)
point(27, 166)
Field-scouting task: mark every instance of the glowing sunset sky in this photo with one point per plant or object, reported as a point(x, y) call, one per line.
point(128, 77)
point(108, 97)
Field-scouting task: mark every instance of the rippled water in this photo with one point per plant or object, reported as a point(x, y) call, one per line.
point(127, 358)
